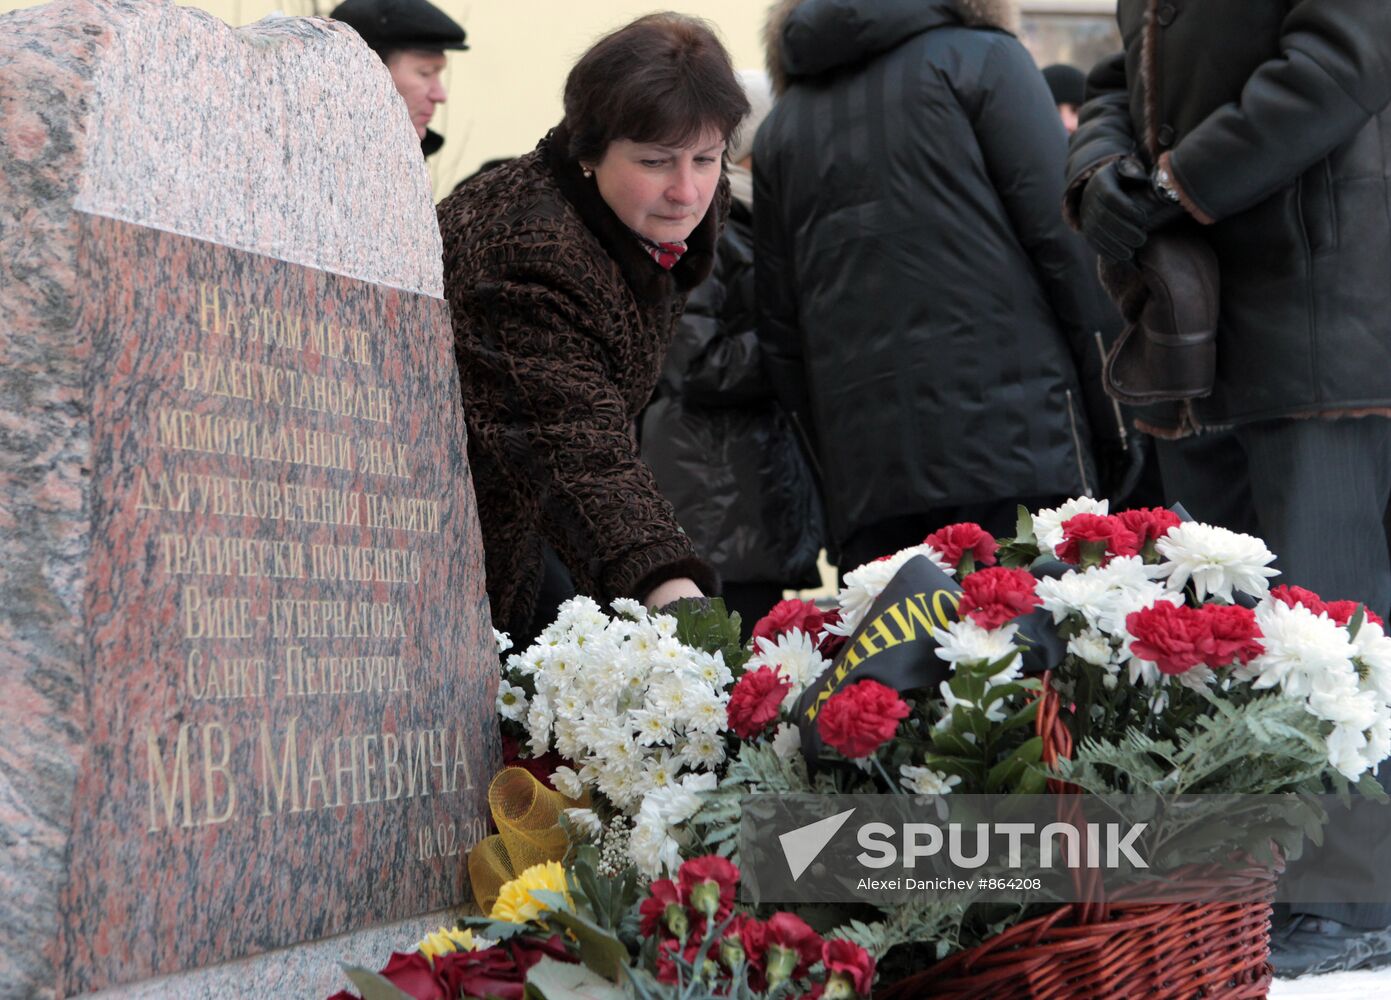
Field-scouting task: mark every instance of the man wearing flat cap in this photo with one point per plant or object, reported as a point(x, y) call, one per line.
point(411, 37)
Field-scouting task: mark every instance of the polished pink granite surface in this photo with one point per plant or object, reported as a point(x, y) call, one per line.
point(234, 505)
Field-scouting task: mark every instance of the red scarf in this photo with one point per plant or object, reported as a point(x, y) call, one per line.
point(665, 254)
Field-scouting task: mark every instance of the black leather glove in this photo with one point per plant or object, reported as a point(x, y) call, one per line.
point(1120, 208)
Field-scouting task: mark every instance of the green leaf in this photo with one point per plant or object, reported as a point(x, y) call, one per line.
point(1005, 773)
point(599, 949)
point(552, 980)
point(373, 985)
point(1024, 526)
point(704, 623)
point(1024, 717)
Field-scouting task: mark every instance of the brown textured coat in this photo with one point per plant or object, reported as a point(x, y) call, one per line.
point(561, 322)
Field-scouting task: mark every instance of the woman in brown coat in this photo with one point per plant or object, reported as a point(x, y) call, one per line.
point(566, 271)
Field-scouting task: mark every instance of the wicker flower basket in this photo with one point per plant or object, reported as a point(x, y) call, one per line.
point(1113, 950)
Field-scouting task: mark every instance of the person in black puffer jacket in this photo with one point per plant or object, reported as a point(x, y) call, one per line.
point(720, 446)
point(927, 313)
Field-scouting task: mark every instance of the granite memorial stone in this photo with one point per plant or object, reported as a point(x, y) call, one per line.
point(246, 667)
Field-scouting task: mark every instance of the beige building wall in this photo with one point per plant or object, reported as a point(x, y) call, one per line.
point(504, 93)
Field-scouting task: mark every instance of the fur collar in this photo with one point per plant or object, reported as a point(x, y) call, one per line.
point(650, 283)
point(1002, 15)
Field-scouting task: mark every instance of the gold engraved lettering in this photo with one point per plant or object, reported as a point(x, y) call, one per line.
point(334, 619)
point(392, 778)
point(369, 767)
point(340, 769)
point(210, 680)
point(286, 775)
point(173, 786)
point(384, 458)
point(417, 763)
point(364, 564)
point(212, 770)
point(460, 761)
point(231, 555)
point(163, 493)
point(220, 314)
point(260, 382)
point(208, 617)
point(215, 434)
point(403, 513)
point(316, 776)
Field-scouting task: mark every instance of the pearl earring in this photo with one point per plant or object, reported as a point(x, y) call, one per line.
point(587, 172)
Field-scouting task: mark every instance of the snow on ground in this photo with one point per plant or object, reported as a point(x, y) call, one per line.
point(1374, 985)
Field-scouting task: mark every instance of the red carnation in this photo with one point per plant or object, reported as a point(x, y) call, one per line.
point(1095, 539)
point(861, 719)
point(994, 596)
point(1173, 637)
point(1299, 597)
point(1149, 524)
point(828, 643)
point(795, 938)
point(851, 961)
point(1342, 612)
point(756, 701)
point(1235, 634)
point(957, 540)
point(708, 883)
point(653, 911)
point(788, 615)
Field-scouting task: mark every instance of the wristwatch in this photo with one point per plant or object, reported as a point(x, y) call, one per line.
point(1164, 186)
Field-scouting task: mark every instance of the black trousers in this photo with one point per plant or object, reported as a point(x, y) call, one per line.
point(1317, 492)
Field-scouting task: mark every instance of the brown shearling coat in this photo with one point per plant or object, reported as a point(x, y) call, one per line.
point(561, 322)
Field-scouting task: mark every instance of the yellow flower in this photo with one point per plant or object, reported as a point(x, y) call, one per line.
point(516, 905)
point(443, 942)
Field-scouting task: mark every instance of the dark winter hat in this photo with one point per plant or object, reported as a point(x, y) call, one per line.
point(1068, 84)
point(386, 25)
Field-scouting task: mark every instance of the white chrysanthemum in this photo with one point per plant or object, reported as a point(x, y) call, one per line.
point(567, 782)
point(1346, 747)
point(502, 640)
point(1092, 647)
point(585, 822)
point(794, 656)
point(1075, 593)
point(1216, 561)
point(627, 606)
point(662, 769)
point(1048, 523)
point(966, 642)
point(1378, 746)
point(1304, 652)
point(1372, 651)
point(864, 584)
point(652, 728)
point(539, 720)
point(703, 751)
point(926, 781)
point(511, 701)
point(712, 670)
point(652, 847)
point(787, 741)
point(568, 738)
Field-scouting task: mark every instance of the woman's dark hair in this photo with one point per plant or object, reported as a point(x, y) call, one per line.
point(664, 78)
